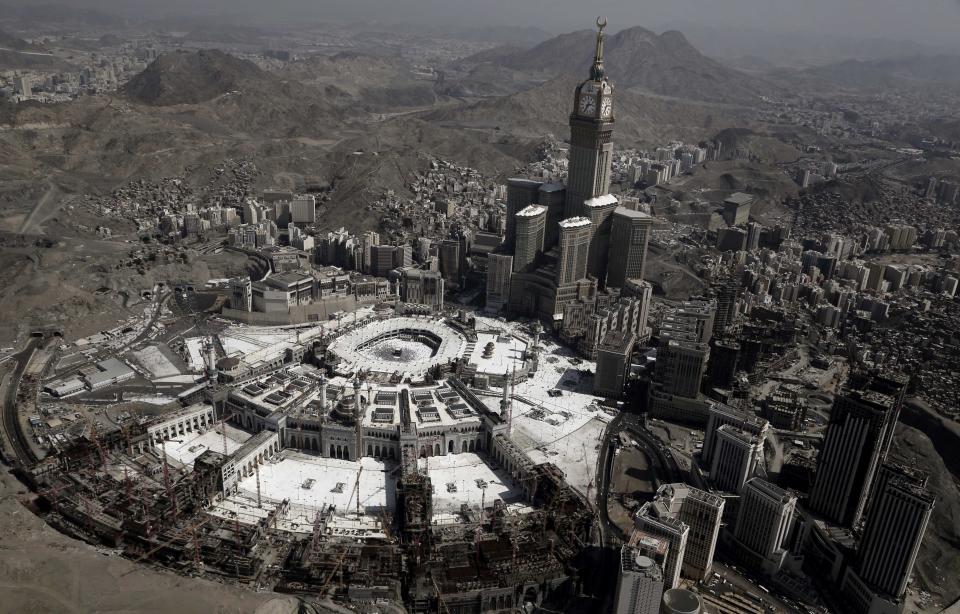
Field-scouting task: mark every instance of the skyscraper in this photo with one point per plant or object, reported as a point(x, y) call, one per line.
point(720, 415)
point(303, 209)
point(852, 450)
point(640, 583)
point(765, 520)
point(545, 288)
point(422, 287)
point(599, 211)
point(629, 236)
point(591, 129)
point(499, 269)
point(613, 362)
point(891, 540)
point(690, 519)
point(381, 259)
point(680, 365)
point(574, 248)
point(531, 225)
point(450, 255)
point(737, 455)
point(894, 530)
point(671, 529)
point(553, 197)
point(726, 305)
point(521, 193)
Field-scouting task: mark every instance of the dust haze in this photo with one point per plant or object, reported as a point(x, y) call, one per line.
point(928, 22)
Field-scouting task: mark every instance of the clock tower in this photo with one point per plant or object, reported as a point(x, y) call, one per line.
point(591, 128)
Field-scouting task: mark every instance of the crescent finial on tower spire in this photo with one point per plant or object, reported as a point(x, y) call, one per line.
point(597, 72)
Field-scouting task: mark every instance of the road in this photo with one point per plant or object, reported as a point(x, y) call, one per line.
point(602, 480)
point(663, 464)
point(161, 299)
point(11, 422)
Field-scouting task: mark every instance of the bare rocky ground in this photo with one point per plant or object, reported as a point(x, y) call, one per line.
point(43, 571)
point(938, 567)
point(85, 286)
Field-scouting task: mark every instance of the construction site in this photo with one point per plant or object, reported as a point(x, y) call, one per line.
point(415, 461)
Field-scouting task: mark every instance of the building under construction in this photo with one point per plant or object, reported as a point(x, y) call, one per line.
point(178, 491)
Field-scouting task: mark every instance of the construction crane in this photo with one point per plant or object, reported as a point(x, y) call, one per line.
point(126, 436)
point(176, 536)
point(223, 430)
point(336, 568)
point(513, 377)
point(88, 511)
point(237, 532)
point(440, 601)
point(197, 563)
point(317, 534)
point(356, 491)
point(171, 493)
point(590, 483)
point(477, 538)
point(256, 468)
point(428, 451)
point(126, 485)
point(514, 532)
point(96, 441)
point(385, 522)
point(53, 490)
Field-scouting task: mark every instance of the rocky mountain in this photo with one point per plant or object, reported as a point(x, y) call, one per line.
point(640, 118)
point(12, 43)
point(876, 74)
point(799, 49)
point(664, 64)
point(211, 88)
point(364, 82)
point(16, 53)
point(193, 77)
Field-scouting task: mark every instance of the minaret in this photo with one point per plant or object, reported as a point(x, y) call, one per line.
point(537, 329)
point(323, 394)
point(506, 389)
point(506, 404)
point(591, 130)
point(212, 375)
point(211, 359)
point(358, 417)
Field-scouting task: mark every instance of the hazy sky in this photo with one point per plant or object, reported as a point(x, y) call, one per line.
point(925, 21)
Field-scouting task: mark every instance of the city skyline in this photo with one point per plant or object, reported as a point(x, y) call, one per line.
point(353, 316)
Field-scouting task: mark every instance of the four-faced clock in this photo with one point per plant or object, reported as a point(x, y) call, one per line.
point(588, 104)
point(606, 107)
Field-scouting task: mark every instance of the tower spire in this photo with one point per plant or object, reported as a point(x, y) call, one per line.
point(597, 73)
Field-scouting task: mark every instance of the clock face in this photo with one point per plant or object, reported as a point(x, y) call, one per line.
point(606, 107)
point(588, 104)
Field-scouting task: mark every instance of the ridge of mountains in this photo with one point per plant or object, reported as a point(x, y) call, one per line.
point(891, 72)
point(16, 53)
point(664, 64)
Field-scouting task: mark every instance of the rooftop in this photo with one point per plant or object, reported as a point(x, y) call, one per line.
point(523, 182)
point(739, 198)
point(632, 213)
point(574, 222)
point(531, 211)
point(601, 201)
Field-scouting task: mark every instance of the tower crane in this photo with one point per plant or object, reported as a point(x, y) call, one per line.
point(191, 529)
point(356, 490)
